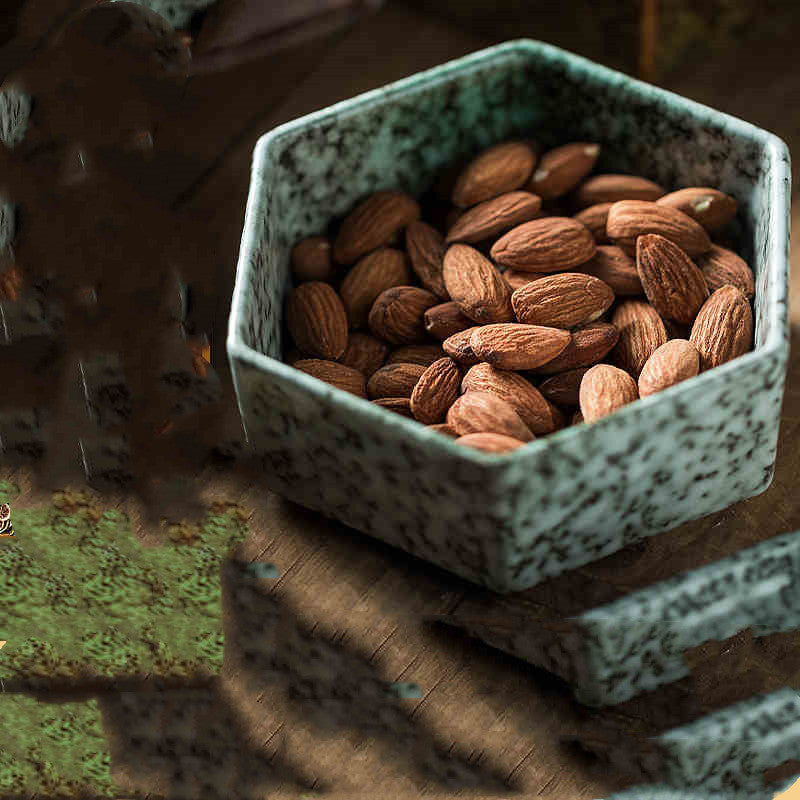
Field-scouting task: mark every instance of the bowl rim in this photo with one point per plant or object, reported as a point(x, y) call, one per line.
point(776, 257)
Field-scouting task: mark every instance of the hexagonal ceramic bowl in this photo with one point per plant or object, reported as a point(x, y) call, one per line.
point(509, 521)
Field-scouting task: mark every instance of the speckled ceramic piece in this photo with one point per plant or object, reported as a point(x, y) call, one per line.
point(509, 521)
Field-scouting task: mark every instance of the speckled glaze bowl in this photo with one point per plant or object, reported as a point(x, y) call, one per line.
point(509, 521)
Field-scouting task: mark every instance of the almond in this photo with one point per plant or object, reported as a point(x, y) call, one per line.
point(563, 168)
point(630, 219)
point(723, 329)
point(672, 363)
point(373, 274)
point(710, 207)
point(562, 301)
point(604, 390)
point(613, 188)
point(722, 267)
point(400, 405)
point(317, 321)
point(495, 216)
point(483, 412)
point(444, 320)
point(497, 170)
point(345, 378)
point(397, 315)
point(373, 223)
point(425, 247)
point(588, 345)
point(516, 280)
point(509, 345)
point(458, 347)
point(365, 353)
point(614, 266)
point(476, 286)
point(311, 260)
point(549, 244)
point(594, 218)
point(489, 442)
point(564, 387)
point(672, 282)
point(518, 392)
point(436, 390)
point(641, 333)
point(394, 380)
point(446, 430)
point(424, 354)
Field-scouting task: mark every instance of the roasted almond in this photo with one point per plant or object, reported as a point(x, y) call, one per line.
point(564, 387)
point(394, 380)
point(672, 363)
point(444, 429)
point(672, 282)
point(616, 268)
point(317, 321)
point(476, 286)
point(373, 223)
point(445, 319)
point(398, 314)
point(345, 378)
point(613, 188)
point(489, 442)
point(375, 273)
point(424, 354)
point(588, 345)
point(513, 346)
point(400, 405)
point(484, 412)
point(436, 390)
point(563, 168)
point(710, 207)
point(517, 280)
point(562, 301)
point(549, 244)
point(641, 333)
point(311, 260)
point(723, 329)
point(497, 170)
point(365, 353)
point(495, 216)
point(458, 347)
point(594, 218)
point(534, 410)
point(629, 219)
point(425, 247)
point(722, 267)
point(604, 390)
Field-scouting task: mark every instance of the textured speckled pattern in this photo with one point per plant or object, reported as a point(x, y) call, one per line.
point(509, 521)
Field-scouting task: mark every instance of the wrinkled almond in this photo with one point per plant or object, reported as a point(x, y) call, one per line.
point(445, 319)
point(311, 260)
point(338, 375)
point(476, 286)
point(672, 363)
point(317, 321)
point(614, 266)
point(495, 216)
point(594, 218)
point(484, 412)
point(424, 354)
point(497, 170)
point(425, 247)
point(458, 347)
point(398, 314)
point(710, 207)
point(365, 353)
point(604, 390)
point(563, 168)
point(517, 280)
point(723, 329)
point(549, 244)
point(436, 390)
point(612, 188)
point(641, 333)
point(514, 346)
point(563, 388)
point(489, 442)
point(399, 405)
point(588, 345)
point(444, 429)
point(722, 267)
point(394, 380)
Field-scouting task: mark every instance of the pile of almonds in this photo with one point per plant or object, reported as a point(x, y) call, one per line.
point(545, 296)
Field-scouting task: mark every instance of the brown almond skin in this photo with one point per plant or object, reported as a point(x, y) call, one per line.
point(588, 345)
point(563, 388)
point(516, 280)
point(710, 207)
point(672, 282)
point(723, 329)
point(436, 390)
point(476, 286)
point(426, 247)
point(375, 273)
point(562, 301)
point(497, 170)
point(548, 244)
point(594, 218)
point(630, 219)
point(604, 390)
point(398, 314)
point(616, 268)
point(312, 260)
point(424, 354)
point(489, 442)
point(495, 216)
point(611, 188)
point(373, 223)
point(394, 380)
point(445, 319)
point(518, 392)
point(365, 353)
point(560, 170)
point(641, 333)
point(317, 321)
point(444, 429)
point(722, 267)
point(484, 412)
point(338, 375)
point(400, 405)
point(673, 362)
point(515, 346)
point(458, 347)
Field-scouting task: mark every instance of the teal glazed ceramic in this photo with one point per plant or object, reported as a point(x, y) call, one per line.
point(509, 521)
